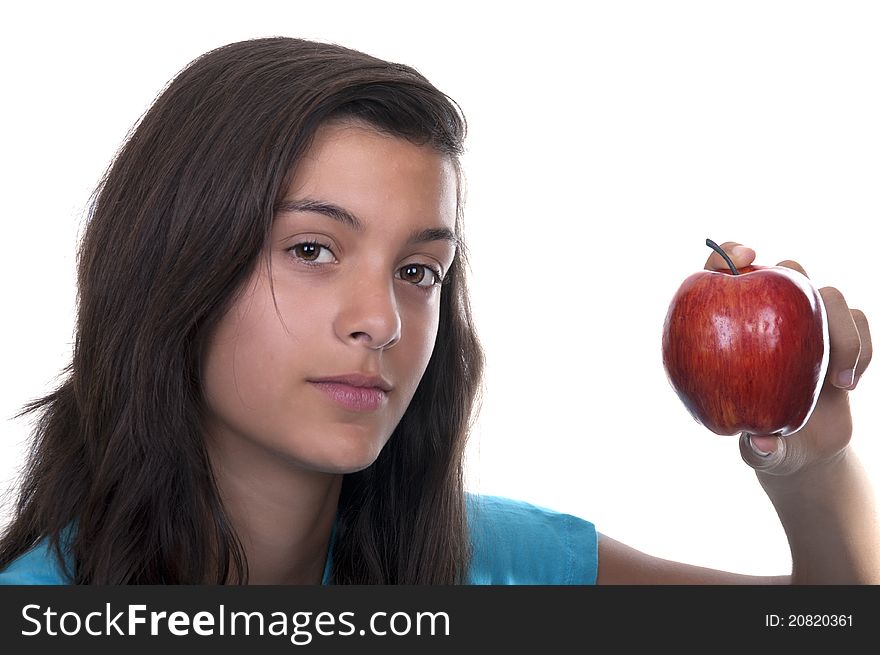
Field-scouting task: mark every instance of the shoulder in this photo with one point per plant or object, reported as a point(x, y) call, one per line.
point(38, 566)
point(515, 542)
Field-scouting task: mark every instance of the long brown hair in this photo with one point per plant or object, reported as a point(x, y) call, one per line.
point(118, 474)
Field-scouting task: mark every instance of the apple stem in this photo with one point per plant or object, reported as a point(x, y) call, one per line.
point(714, 246)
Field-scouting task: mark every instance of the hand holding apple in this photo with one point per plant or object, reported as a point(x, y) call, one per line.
point(828, 424)
point(747, 350)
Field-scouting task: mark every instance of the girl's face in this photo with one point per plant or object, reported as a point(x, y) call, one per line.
point(322, 351)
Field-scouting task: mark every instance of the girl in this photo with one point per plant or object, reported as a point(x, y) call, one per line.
point(275, 366)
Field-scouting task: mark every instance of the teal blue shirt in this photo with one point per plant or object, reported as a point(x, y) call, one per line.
point(514, 543)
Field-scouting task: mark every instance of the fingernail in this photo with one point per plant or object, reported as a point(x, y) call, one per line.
point(741, 252)
point(846, 378)
point(757, 450)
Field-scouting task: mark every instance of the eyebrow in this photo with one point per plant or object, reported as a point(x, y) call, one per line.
point(342, 215)
point(330, 210)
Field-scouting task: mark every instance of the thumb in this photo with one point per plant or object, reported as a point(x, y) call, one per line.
point(762, 453)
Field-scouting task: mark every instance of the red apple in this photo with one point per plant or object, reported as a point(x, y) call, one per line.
point(747, 350)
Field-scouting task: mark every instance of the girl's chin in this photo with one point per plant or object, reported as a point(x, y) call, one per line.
point(343, 467)
point(344, 460)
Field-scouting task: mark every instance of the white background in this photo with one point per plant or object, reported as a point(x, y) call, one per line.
point(607, 141)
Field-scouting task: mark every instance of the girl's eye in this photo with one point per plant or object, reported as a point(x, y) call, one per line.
point(419, 275)
point(313, 253)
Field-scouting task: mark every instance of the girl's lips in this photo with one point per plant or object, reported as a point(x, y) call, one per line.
point(357, 399)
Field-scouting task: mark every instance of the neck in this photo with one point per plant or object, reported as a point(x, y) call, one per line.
point(283, 514)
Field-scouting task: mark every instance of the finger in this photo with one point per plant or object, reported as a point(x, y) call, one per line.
point(739, 254)
point(843, 333)
point(867, 350)
point(762, 453)
point(789, 263)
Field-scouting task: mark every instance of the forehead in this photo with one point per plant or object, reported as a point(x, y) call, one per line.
point(376, 175)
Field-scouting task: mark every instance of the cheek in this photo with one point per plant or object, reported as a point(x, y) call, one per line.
point(419, 336)
point(241, 370)
point(245, 364)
